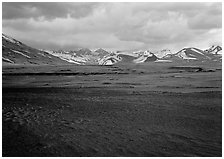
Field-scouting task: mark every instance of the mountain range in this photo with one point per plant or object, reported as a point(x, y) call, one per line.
point(16, 52)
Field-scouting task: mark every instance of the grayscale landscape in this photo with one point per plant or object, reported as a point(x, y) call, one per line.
point(91, 99)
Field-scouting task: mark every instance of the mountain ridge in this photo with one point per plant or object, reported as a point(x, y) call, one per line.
point(16, 52)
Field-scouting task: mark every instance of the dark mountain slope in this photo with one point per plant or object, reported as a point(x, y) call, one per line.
point(15, 52)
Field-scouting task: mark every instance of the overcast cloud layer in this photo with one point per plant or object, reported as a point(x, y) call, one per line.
point(114, 26)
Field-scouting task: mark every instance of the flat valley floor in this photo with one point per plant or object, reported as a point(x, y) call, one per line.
point(154, 109)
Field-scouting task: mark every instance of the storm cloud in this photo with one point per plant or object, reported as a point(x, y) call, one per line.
point(114, 26)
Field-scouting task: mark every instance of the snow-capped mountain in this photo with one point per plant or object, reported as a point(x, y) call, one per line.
point(15, 52)
point(191, 54)
point(214, 49)
point(145, 56)
point(102, 57)
point(101, 52)
point(128, 57)
point(67, 56)
point(110, 59)
point(195, 54)
point(81, 56)
point(162, 53)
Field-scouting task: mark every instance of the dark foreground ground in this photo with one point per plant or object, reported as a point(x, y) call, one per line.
point(147, 110)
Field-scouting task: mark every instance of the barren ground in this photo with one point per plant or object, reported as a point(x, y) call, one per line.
point(153, 109)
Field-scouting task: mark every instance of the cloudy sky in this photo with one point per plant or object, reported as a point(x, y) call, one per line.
point(114, 26)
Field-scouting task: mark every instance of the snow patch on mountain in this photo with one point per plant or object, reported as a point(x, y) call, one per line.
point(145, 56)
point(159, 60)
point(18, 52)
point(80, 60)
point(141, 59)
point(8, 38)
point(7, 60)
point(162, 53)
point(109, 59)
point(193, 49)
point(71, 61)
point(42, 54)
